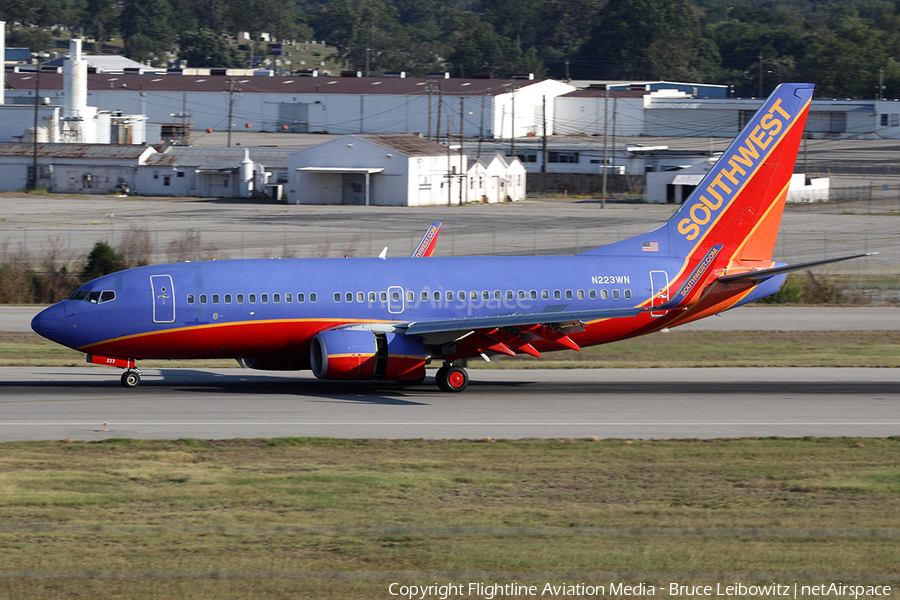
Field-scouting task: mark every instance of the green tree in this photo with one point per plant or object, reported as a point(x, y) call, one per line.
point(38, 40)
point(208, 49)
point(102, 260)
point(147, 28)
point(644, 39)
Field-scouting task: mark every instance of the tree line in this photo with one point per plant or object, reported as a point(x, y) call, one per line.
point(848, 48)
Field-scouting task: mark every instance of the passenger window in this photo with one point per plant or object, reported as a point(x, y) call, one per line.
point(533, 294)
point(410, 296)
point(264, 298)
point(510, 295)
point(461, 295)
point(593, 294)
point(424, 296)
point(202, 298)
point(556, 295)
point(615, 294)
point(227, 298)
point(521, 294)
point(604, 294)
point(449, 296)
point(498, 295)
point(240, 298)
point(395, 296)
point(485, 295)
point(301, 297)
point(360, 296)
point(436, 296)
point(372, 297)
point(383, 296)
point(106, 296)
point(313, 297)
point(545, 294)
point(276, 297)
point(473, 295)
point(337, 296)
point(581, 294)
point(348, 296)
point(568, 294)
point(252, 298)
point(190, 299)
point(627, 294)
point(215, 298)
point(288, 298)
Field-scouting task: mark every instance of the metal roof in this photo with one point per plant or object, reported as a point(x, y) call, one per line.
point(599, 93)
point(400, 86)
point(99, 151)
point(217, 159)
point(408, 144)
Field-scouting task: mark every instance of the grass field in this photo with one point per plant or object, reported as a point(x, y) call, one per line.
point(322, 518)
point(675, 349)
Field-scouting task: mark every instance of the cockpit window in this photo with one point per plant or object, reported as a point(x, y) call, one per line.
point(93, 297)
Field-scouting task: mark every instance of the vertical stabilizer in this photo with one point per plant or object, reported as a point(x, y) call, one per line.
point(739, 202)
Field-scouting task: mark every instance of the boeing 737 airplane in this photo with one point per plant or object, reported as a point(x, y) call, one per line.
point(387, 318)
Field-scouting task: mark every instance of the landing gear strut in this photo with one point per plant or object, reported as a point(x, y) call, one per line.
point(131, 378)
point(452, 379)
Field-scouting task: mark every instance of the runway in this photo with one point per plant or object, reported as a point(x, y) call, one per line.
point(90, 404)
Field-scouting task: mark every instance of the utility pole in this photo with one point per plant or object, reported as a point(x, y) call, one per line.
point(544, 136)
point(462, 154)
point(481, 126)
point(37, 97)
point(512, 137)
point(428, 85)
point(440, 109)
point(231, 91)
point(605, 150)
point(881, 83)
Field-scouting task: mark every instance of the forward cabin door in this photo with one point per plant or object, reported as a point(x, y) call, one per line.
point(163, 299)
point(659, 287)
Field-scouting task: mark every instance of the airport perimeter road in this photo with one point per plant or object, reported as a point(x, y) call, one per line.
point(747, 318)
point(622, 403)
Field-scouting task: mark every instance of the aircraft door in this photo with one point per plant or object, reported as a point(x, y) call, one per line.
point(163, 298)
point(395, 299)
point(659, 287)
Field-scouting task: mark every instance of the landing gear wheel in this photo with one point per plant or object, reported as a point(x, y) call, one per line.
point(452, 379)
point(131, 379)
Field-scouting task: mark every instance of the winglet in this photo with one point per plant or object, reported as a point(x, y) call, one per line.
point(383, 255)
point(429, 240)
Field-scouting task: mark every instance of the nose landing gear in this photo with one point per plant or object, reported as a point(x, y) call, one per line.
point(131, 378)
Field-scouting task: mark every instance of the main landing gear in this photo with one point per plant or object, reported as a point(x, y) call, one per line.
point(451, 379)
point(131, 378)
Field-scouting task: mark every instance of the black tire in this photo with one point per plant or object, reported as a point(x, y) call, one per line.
point(131, 379)
point(452, 379)
point(439, 378)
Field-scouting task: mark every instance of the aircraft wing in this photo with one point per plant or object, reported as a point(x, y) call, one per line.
point(550, 318)
point(511, 333)
point(766, 273)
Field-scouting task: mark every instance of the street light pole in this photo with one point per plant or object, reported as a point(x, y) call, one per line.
point(34, 135)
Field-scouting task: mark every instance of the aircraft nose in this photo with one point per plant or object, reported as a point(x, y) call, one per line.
point(50, 321)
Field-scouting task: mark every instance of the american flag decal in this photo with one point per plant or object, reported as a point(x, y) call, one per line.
point(650, 247)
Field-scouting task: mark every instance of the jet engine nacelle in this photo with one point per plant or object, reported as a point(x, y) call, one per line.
point(361, 354)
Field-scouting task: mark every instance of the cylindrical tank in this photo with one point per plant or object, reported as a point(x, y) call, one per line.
point(43, 135)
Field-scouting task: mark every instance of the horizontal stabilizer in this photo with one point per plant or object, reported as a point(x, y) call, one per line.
point(766, 273)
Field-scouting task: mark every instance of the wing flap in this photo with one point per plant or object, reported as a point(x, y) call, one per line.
point(547, 319)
